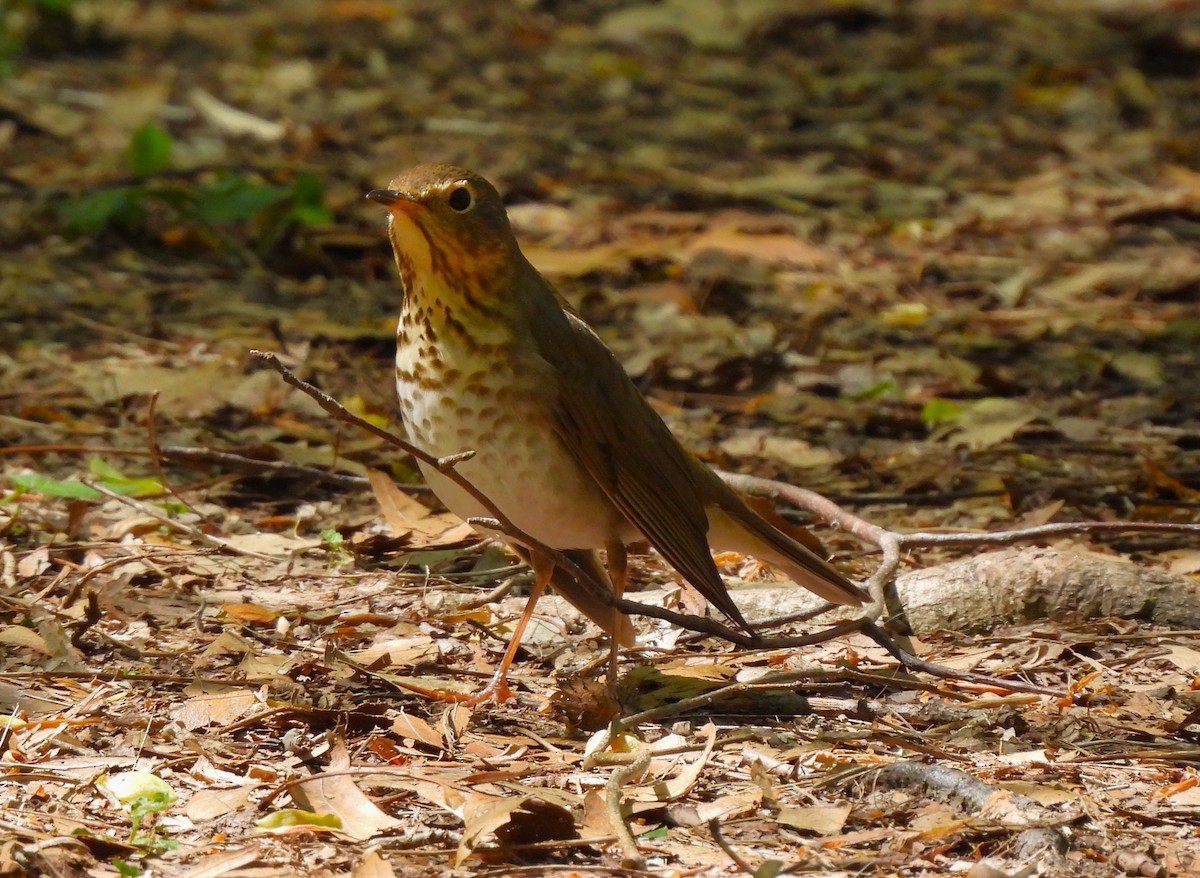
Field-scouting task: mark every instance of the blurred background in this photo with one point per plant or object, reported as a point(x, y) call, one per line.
point(919, 254)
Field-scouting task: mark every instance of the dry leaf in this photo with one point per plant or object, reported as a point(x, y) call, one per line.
point(23, 638)
point(991, 421)
point(213, 704)
point(535, 821)
point(371, 865)
point(231, 120)
point(768, 248)
point(396, 652)
point(222, 863)
point(251, 613)
point(821, 819)
point(210, 804)
point(681, 784)
point(339, 796)
point(416, 729)
point(405, 515)
point(483, 814)
point(794, 453)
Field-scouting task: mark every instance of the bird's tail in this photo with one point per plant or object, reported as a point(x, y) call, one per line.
point(735, 527)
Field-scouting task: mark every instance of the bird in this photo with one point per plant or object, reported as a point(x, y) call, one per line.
point(492, 359)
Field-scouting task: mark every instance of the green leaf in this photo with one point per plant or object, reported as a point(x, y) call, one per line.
point(769, 869)
point(295, 817)
point(73, 489)
point(150, 842)
point(92, 213)
point(104, 470)
point(308, 201)
point(311, 216)
point(234, 199)
point(127, 870)
point(149, 149)
point(37, 483)
point(115, 480)
point(937, 410)
point(308, 190)
point(877, 389)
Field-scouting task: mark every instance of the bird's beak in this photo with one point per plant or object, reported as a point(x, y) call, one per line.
point(392, 200)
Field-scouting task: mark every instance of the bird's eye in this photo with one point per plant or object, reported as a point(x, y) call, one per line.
point(460, 199)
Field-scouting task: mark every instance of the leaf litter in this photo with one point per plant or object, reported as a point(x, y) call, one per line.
point(936, 265)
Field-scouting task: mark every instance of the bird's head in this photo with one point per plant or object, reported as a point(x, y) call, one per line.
point(450, 233)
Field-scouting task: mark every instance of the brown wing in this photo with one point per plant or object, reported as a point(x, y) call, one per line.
point(618, 626)
point(622, 442)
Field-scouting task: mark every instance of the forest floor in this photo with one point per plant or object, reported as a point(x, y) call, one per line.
point(935, 260)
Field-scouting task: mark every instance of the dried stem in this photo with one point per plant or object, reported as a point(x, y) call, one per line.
point(889, 542)
point(444, 465)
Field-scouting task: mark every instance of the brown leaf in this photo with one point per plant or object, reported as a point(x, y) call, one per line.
point(339, 796)
point(213, 704)
point(771, 248)
point(372, 866)
point(251, 613)
point(413, 727)
point(991, 421)
point(819, 819)
point(483, 814)
point(210, 804)
point(405, 515)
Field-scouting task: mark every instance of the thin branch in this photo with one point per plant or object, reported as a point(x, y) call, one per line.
point(444, 465)
point(1041, 531)
point(805, 499)
point(714, 826)
point(190, 454)
point(178, 526)
point(272, 467)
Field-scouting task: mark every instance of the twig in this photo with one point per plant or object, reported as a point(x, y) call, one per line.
point(506, 585)
point(156, 456)
point(805, 499)
point(714, 826)
point(885, 539)
point(927, 538)
point(274, 467)
point(179, 526)
point(207, 455)
point(444, 465)
point(631, 857)
point(891, 543)
point(873, 533)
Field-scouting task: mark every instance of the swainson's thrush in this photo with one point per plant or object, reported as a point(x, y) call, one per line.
point(492, 360)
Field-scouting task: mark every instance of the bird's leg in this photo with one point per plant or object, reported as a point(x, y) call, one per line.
point(617, 568)
point(497, 690)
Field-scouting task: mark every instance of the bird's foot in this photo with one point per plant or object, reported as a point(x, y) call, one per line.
point(495, 692)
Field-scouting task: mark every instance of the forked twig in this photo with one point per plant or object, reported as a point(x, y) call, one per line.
point(889, 542)
point(445, 465)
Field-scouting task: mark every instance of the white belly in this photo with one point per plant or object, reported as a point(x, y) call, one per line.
point(520, 463)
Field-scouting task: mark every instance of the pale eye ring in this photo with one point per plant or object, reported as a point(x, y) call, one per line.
point(460, 199)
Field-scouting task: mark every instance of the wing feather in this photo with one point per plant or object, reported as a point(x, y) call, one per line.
point(610, 428)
